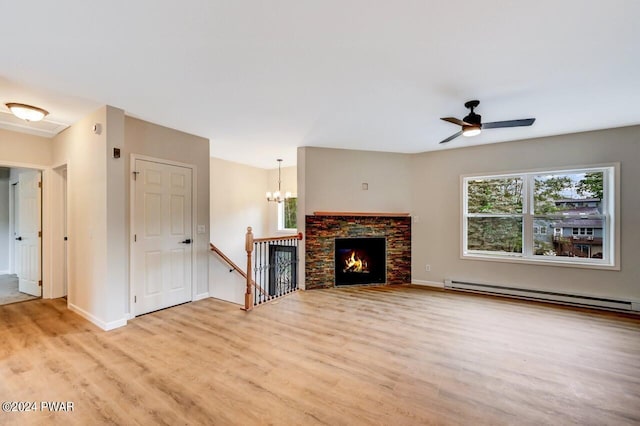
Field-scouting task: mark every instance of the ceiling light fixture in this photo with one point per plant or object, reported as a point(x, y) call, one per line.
point(27, 112)
point(472, 130)
point(277, 197)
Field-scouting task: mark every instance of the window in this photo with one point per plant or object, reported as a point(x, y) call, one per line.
point(506, 217)
point(287, 214)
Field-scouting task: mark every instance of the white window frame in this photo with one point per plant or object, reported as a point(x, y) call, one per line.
point(281, 227)
point(610, 216)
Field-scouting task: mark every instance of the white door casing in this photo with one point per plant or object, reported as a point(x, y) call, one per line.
point(162, 226)
point(29, 247)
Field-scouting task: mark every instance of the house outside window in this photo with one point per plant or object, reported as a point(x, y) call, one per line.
point(506, 217)
point(287, 214)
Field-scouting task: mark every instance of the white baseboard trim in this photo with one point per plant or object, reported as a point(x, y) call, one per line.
point(5, 272)
point(437, 284)
point(201, 296)
point(106, 326)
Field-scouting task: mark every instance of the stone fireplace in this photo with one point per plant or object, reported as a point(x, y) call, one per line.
point(352, 248)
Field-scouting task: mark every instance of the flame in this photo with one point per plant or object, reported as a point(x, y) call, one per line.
point(355, 264)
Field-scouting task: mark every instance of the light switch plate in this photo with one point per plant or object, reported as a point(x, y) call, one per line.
point(202, 229)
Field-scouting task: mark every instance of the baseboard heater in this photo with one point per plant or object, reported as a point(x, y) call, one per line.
point(547, 296)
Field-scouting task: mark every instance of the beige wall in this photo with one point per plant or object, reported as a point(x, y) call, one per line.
point(334, 178)
point(436, 201)
point(20, 149)
point(85, 154)
point(428, 186)
point(237, 201)
point(331, 180)
point(148, 139)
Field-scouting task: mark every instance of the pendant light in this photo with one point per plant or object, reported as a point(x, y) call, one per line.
point(277, 196)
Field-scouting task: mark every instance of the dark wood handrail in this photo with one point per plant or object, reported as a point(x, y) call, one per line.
point(235, 267)
point(297, 236)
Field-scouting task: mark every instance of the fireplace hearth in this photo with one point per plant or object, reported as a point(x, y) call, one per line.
point(360, 261)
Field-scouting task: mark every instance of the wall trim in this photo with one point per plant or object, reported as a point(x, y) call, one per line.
point(201, 296)
point(5, 272)
point(438, 284)
point(106, 326)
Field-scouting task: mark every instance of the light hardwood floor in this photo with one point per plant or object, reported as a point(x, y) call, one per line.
point(367, 355)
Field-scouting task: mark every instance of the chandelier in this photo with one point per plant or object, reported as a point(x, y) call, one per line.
point(277, 195)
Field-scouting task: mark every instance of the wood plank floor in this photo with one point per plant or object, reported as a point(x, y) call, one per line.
point(367, 355)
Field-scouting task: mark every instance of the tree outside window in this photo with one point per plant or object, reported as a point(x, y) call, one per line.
point(287, 214)
point(508, 216)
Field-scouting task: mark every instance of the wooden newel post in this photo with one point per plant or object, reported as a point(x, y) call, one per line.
point(248, 296)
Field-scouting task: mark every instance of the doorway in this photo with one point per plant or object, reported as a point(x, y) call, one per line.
point(21, 244)
point(162, 235)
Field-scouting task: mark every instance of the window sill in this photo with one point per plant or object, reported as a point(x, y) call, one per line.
point(541, 262)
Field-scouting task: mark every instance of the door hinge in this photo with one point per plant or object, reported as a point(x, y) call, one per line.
point(39, 233)
point(135, 299)
point(135, 238)
point(39, 184)
point(40, 283)
point(135, 175)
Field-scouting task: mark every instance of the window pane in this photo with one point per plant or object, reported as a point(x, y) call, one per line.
point(499, 234)
point(500, 195)
point(290, 211)
point(573, 236)
point(569, 193)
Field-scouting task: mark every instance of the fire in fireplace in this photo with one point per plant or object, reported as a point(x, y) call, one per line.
point(360, 260)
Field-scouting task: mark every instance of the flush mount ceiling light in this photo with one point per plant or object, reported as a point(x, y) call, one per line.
point(277, 197)
point(27, 112)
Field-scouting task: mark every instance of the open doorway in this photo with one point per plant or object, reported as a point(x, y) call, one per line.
point(20, 234)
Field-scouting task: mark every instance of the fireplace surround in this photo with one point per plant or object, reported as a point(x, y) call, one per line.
point(322, 230)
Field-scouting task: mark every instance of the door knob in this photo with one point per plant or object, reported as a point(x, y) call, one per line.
point(187, 241)
point(19, 239)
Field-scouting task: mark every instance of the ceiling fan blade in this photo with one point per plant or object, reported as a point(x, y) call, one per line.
point(455, 121)
point(452, 137)
point(509, 123)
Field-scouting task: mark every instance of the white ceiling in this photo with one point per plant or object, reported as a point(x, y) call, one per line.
point(260, 78)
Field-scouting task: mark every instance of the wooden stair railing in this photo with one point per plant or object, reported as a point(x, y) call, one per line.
point(234, 267)
point(251, 243)
point(230, 262)
point(262, 267)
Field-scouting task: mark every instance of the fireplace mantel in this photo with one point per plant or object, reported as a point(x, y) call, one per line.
point(362, 214)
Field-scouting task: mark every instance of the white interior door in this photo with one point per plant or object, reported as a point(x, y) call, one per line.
point(162, 247)
point(28, 244)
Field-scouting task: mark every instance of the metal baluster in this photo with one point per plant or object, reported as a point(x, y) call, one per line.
point(265, 270)
point(261, 283)
point(255, 275)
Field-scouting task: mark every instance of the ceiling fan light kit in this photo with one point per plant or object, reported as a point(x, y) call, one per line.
point(472, 130)
point(27, 112)
point(472, 124)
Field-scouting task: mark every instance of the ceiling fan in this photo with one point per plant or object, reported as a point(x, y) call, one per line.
point(472, 124)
